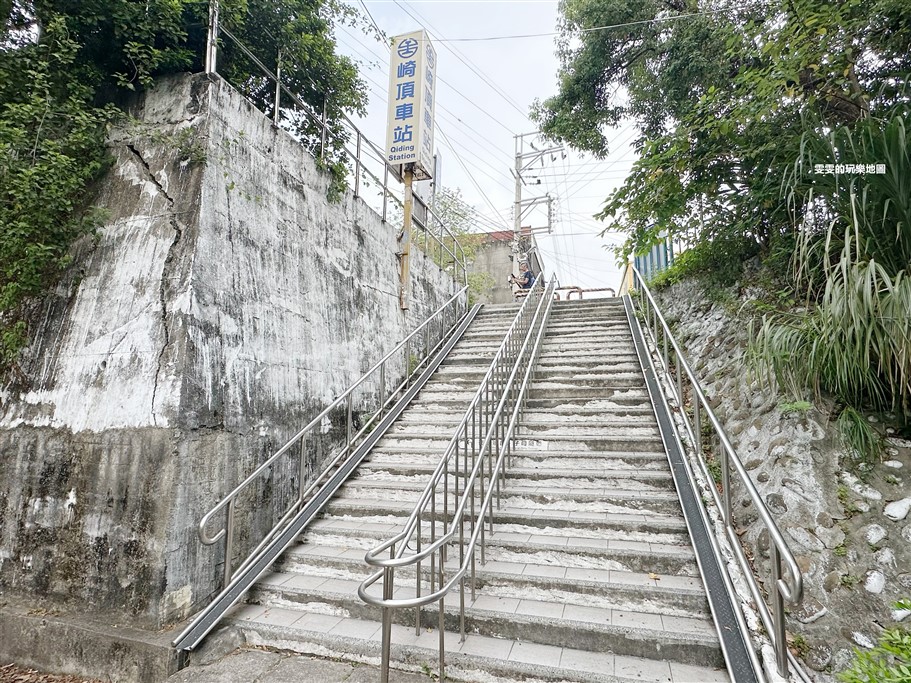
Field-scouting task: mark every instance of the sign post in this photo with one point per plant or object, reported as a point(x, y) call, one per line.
point(409, 130)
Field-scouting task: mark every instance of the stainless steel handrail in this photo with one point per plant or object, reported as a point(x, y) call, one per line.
point(782, 592)
point(416, 349)
point(364, 149)
point(484, 434)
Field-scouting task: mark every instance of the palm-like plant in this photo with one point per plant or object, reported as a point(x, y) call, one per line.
point(854, 341)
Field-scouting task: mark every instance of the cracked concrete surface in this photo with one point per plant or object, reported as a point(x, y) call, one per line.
point(223, 304)
point(261, 666)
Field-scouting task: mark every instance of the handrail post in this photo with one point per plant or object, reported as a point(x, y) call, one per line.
point(349, 422)
point(278, 86)
point(229, 541)
point(387, 625)
point(779, 637)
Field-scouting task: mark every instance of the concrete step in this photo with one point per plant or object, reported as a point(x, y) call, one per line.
point(536, 454)
point(601, 362)
point(597, 500)
point(506, 659)
point(598, 345)
point(591, 444)
point(616, 416)
point(563, 393)
point(552, 429)
point(521, 500)
point(310, 564)
point(626, 551)
point(599, 630)
point(663, 529)
point(619, 373)
point(642, 481)
point(620, 377)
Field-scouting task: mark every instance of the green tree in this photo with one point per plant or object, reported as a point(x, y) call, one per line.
point(737, 108)
point(722, 99)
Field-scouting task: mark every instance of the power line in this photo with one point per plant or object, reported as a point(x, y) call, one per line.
point(598, 28)
point(372, 20)
point(359, 44)
point(496, 88)
point(380, 92)
point(471, 177)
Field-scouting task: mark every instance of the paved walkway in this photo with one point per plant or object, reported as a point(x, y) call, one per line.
point(260, 666)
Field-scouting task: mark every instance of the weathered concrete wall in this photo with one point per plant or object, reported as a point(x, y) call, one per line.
point(495, 259)
point(224, 303)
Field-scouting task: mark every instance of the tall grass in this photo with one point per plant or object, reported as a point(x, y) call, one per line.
point(854, 260)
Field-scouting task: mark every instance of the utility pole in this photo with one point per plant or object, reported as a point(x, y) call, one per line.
point(523, 161)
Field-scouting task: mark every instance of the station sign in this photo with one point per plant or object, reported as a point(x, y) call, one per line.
point(410, 119)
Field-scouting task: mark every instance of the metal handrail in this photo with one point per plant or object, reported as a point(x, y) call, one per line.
point(425, 340)
point(782, 592)
point(359, 155)
point(485, 433)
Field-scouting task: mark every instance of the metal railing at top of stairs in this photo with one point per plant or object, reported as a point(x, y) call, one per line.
point(475, 459)
point(701, 415)
point(440, 243)
point(407, 359)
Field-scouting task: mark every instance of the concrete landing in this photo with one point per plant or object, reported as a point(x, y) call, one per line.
point(264, 666)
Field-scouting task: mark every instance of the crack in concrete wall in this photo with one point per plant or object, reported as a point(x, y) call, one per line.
point(224, 305)
point(168, 264)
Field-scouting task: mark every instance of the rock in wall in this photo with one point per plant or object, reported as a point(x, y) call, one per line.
point(223, 304)
point(855, 559)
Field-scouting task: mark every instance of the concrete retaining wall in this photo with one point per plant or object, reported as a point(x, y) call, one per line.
point(223, 304)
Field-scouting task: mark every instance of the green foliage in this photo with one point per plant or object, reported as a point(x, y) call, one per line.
point(718, 263)
point(849, 218)
point(799, 644)
point(478, 285)
point(858, 436)
point(51, 147)
point(62, 66)
point(796, 407)
point(888, 662)
point(448, 208)
point(849, 581)
point(723, 102)
point(855, 343)
point(844, 497)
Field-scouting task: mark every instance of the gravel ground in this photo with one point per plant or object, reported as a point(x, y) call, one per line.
point(14, 674)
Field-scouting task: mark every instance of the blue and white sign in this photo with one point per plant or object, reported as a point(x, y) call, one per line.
point(412, 82)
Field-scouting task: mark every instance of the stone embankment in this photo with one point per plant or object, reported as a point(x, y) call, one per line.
point(848, 525)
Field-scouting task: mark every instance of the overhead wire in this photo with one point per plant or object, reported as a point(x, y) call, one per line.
point(446, 114)
point(372, 20)
point(606, 27)
point(470, 176)
point(440, 38)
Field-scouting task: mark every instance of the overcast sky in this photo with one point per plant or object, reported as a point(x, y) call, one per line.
point(484, 92)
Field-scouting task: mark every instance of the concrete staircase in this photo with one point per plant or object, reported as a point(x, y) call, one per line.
point(589, 575)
